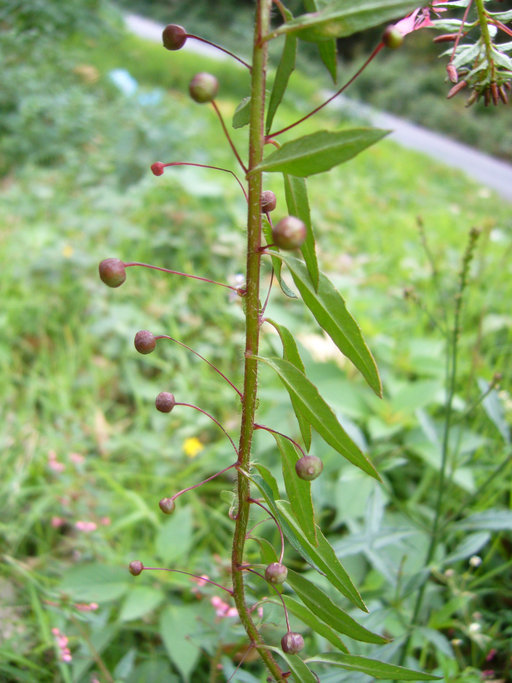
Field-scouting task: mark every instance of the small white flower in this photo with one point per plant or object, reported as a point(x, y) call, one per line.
point(475, 561)
point(475, 627)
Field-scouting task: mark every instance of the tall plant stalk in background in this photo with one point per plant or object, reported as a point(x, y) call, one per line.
point(295, 160)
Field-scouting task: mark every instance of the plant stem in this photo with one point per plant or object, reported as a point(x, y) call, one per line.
point(486, 36)
point(256, 144)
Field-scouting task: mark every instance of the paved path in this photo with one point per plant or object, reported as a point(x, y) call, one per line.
point(481, 167)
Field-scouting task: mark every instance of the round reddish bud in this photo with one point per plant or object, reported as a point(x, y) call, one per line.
point(165, 402)
point(392, 37)
point(289, 233)
point(268, 201)
point(112, 272)
point(157, 168)
point(292, 642)
point(167, 505)
point(174, 37)
point(309, 467)
point(135, 567)
point(144, 341)
point(203, 87)
point(276, 573)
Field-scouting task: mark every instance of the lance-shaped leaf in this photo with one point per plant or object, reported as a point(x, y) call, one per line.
point(291, 353)
point(310, 619)
point(324, 558)
point(326, 48)
point(328, 307)
point(319, 151)
point(298, 205)
point(300, 671)
point(342, 18)
point(293, 532)
point(298, 490)
point(242, 113)
point(318, 413)
point(283, 73)
point(324, 608)
point(371, 667)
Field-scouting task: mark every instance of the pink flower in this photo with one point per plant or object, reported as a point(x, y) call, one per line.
point(222, 609)
point(62, 643)
point(57, 522)
point(420, 18)
point(76, 458)
point(87, 527)
point(86, 607)
point(53, 463)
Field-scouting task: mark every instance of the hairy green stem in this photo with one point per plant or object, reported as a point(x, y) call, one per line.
point(484, 29)
point(252, 311)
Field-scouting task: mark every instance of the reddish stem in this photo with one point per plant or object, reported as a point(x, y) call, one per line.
point(253, 571)
point(215, 168)
point(205, 481)
point(222, 49)
point(179, 571)
point(257, 502)
point(274, 431)
point(344, 87)
point(228, 137)
point(176, 272)
point(191, 405)
point(166, 336)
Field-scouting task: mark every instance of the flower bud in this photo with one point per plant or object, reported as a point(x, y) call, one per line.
point(135, 567)
point(392, 37)
point(112, 272)
point(289, 233)
point(276, 573)
point(268, 201)
point(203, 87)
point(174, 37)
point(165, 402)
point(157, 168)
point(292, 642)
point(144, 341)
point(309, 467)
point(167, 505)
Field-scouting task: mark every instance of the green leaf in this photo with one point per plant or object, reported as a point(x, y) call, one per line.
point(326, 48)
point(139, 601)
point(175, 537)
point(300, 671)
point(324, 608)
point(291, 353)
point(268, 553)
point(310, 619)
point(96, 582)
point(177, 625)
point(372, 667)
point(318, 413)
point(242, 113)
point(324, 558)
point(342, 18)
point(493, 519)
point(298, 205)
point(293, 532)
point(269, 480)
point(319, 151)
point(283, 73)
point(298, 490)
point(329, 309)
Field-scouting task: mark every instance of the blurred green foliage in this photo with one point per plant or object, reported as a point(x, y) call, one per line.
point(82, 441)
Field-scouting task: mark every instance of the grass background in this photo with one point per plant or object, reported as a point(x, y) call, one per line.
point(76, 189)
